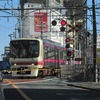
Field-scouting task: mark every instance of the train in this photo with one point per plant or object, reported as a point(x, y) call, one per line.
point(31, 57)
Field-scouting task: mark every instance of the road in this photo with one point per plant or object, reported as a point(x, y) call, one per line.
point(44, 89)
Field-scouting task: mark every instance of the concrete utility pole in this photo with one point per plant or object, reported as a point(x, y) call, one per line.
point(94, 40)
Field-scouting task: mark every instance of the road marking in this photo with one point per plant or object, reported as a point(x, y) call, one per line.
point(19, 90)
point(31, 81)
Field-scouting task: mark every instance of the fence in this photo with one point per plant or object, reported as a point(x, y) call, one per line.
point(80, 72)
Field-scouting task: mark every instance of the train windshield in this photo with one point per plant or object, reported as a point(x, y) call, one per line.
point(24, 48)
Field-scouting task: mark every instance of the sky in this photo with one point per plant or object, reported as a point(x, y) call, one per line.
point(8, 24)
point(90, 21)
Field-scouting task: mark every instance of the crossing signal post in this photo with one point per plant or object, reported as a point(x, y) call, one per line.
point(73, 27)
point(69, 51)
point(70, 42)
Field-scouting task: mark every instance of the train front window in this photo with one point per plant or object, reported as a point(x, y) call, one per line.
point(33, 50)
point(14, 49)
point(25, 49)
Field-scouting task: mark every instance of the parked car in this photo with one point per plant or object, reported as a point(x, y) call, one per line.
point(5, 67)
point(1, 76)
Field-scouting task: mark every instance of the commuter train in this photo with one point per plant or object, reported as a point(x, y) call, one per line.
point(35, 57)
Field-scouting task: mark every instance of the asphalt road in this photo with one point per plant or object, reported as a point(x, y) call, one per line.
point(51, 94)
point(45, 89)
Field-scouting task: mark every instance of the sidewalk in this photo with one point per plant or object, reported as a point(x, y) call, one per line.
point(85, 85)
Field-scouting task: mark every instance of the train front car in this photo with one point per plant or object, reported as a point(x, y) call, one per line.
point(26, 57)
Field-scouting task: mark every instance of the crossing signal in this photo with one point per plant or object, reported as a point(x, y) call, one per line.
point(62, 29)
point(63, 22)
point(78, 25)
point(69, 53)
point(67, 40)
point(54, 22)
point(67, 46)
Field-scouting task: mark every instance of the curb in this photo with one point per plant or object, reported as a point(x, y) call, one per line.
point(84, 87)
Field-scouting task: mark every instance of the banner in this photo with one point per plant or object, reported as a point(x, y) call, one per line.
point(40, 22)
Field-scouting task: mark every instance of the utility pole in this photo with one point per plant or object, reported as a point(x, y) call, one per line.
point(94, 40)
point(21, 17)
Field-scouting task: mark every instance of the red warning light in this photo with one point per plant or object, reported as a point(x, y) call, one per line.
point(67, 40)
point(63, 22)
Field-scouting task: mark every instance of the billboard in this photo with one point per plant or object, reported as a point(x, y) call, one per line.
point(40, 22)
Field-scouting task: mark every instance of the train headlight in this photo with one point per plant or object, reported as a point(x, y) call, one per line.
point(32, 64)
point(15, 64)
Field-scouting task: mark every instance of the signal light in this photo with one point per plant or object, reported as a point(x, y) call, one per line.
point(69, 53)
point(67, 40)
point(67, 46)
point(68, 59)
point(62, 29)
point(63, 23)
point(54, 23)
point(78, 26)
point(67, 43)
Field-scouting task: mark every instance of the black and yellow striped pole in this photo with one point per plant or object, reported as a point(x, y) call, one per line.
point(94, 40)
